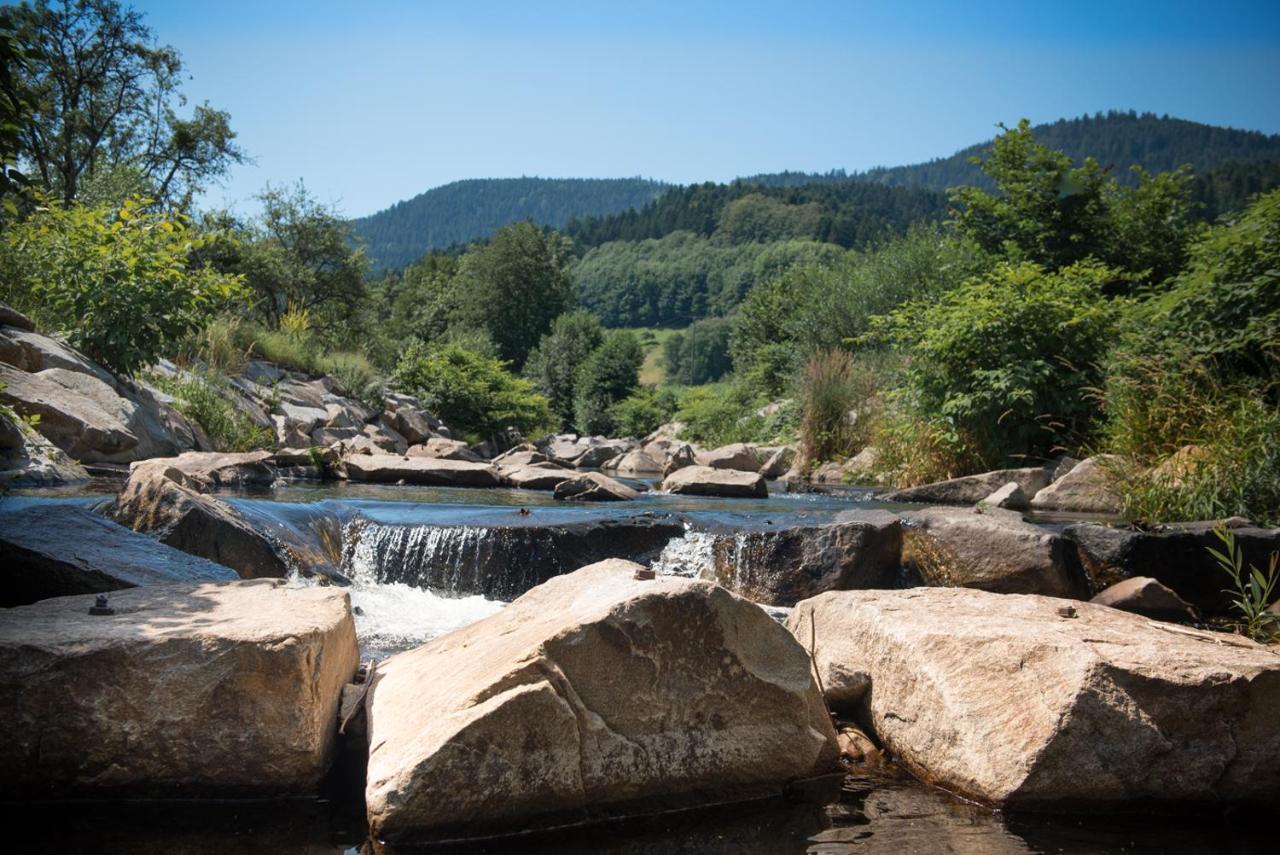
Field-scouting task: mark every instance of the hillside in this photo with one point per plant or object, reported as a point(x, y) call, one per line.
point(465, 211)
point(1116, 139)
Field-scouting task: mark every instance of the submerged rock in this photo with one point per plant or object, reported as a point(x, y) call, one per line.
point(58, 549)
point(993, 551)
point(222, 690)
point(429, 471)
point(593, 487)
point(972, 489)
point(1085, 488)
point(1144, 596)
point(593, 696)
point(1018, 701)
point(706, 481)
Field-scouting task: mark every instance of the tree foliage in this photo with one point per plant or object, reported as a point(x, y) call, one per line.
point(609, 375)
point(554, 364)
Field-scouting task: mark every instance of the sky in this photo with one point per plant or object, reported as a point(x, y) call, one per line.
point(371, 103)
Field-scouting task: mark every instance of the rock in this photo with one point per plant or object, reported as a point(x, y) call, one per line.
point(205, 471)
point(1008, 701)
point(35, 461)
point(669, 430)
point(633, 462)
point(993, 551)
point(1062, 466)
point(1084, 489)
point(594, 487)
point(777, 462)
point(831, 472)
point(429, 471)
point(306, 418)
point(783, 566)
point(862, 467)
point(222, 690)
point(1145, 596)
point(1177, 556)
point(706, 481)
point(972, 489)
point(744, 457)
point(601, 452)
point(680, 457)
point(562, 448)
point(386, 438)
point(540, 477)
point(40, 352)
point(11, 317)
point(1010, 497)
point(593, 696)
point(60, 549)
point(74, 423)
point(326, 437)
point(523, 454)
point(445, 449)
point(156, 499)
point(1180, 465)
point(291, 433)
point(412, 424)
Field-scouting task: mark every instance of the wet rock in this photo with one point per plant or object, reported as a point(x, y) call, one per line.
point(783, 566)
point(1007, 701)
point(157, 500)
point(429, 471)
point(993, 551)
point(540, 477)
point(55, 550)
point(227, 690)
point(1010, 497)
point(634, 462)
point(1086, 488)
point(593, 696)
point(706, 481)
point(777, 461)
point(11, 317)
point(972, 489)
point(742, 456)
point(594, 487)
point(445, 449)
point(1145, 596)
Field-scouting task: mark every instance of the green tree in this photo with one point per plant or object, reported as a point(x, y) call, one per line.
point(554, 364)
point(104, 95)
point(700, 354)
point(644, 411)
point(609, 375)
point(514, 286)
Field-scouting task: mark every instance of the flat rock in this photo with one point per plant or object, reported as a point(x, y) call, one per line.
point(1145, 596)
point(992, 551)
point(540, 477)
point(211, 690)
point(972, 489)
point(1085, 488)
point(1020, 701)
point(215, 470)
point(593, 696)
point(57, 549)
point(523, 454)
point(431, 471)
point(708, 481)
point(741, 456)
point(445, 449)
point(594, 487)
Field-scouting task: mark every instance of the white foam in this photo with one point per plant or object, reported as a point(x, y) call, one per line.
point(394, 617)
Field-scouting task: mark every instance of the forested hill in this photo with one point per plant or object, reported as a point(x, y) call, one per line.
point(465, 211)
point(1116, 139)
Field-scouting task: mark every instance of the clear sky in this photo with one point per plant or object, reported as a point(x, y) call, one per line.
point(375, 102)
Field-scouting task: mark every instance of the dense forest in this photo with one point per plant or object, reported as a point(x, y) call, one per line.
point(465, 211)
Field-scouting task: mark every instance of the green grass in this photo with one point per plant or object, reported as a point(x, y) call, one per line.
point(652, 339)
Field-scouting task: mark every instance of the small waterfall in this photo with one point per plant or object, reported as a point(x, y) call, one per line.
point(692, 555)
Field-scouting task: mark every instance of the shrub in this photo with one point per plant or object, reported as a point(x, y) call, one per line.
point(199, 397)
point(117, 281)
point(700, 354)
point(644, 411)
point(1252, 588)
point(828, 395)
point(356, 374)
point(608, 375)
point(554, 364)
point(220, 345)
point(727, 412)
point(281, 348)
point(473, 392)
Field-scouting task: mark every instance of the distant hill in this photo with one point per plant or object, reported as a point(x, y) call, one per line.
point(1117, 140)
point(465, 211)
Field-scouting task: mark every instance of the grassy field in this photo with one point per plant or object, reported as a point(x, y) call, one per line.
point(652, 338)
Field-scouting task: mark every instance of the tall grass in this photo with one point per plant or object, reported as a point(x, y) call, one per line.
point(198, 396)
point(356, 374)
point(829, 393)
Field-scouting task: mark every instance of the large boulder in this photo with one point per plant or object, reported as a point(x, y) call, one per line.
point(445, 449)
point(781, 566)
point(34, 352)
point(543, 476)
point(777, 461)
point(523, 454)
point(1085, 488)
point(742, 456)
point(52, 550)
point(1020, 701)
point(593, 696)
point(214, 470)
point(972, 489)
point(593, 487)
point(429, 471)
point(706, 481)
point(1145, 596)
point(156, 500)
point(993, 551)
point(218, 689)
point(11, 317)
point(28, 459)
point(411, 423)
point(600, 451)
point(1009, 497)
point(633, 462)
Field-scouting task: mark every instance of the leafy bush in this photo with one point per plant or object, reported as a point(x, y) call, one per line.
point(117, 281)
point(644, 411)
point(356, 374)
point(554, 364)
point(608, 376)
point(727, 412)
point(199, 397)
point(473, 392)
point(1001, 367)
point(293, 352)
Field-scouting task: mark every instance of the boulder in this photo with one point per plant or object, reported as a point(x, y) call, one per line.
point(31, 460)
point(744, 457)
point(972, 489)
point(291, 433)
point(39, 352)
point(210, 690)
point(523, 454)
point(1009, 497)
point(601, 451)
point(683, 455)
point(1022, 702)
point(1145, 596)
point(593, 696)
point(781, 566)
point(633, 462)
point(429, 471)
point(541, 477)
point(831, 472)
point(52, 550)
point(11, 317)
point(71, 421)
point(777, 462)
point(862, 467)
point(326, 437)
point(562, 448)
point(993, 551)
point(593, 487)
point(411, 423)
point(1085, 488)
point(156, 500)
point(445, 449)
point(205, 471)
point(707, 481)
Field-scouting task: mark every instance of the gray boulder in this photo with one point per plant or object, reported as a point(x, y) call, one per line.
point(1009, 497)
point(11, 317)
point(1085, 488)
point(593, 487)
point(633, 462)
point(445, 449)
point(741, 456)
point(428, 471)
point(538, 477)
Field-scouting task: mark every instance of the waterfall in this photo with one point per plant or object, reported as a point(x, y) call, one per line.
point(692, 554)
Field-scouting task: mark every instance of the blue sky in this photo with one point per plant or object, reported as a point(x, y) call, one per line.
point(375, 102)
